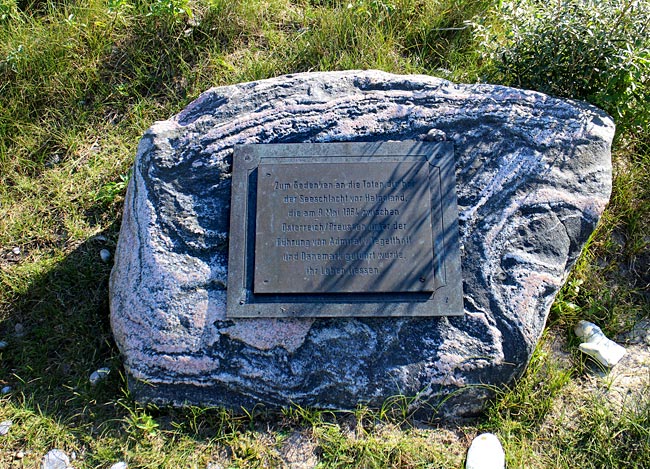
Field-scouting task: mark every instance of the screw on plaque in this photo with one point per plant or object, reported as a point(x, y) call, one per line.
point(423, 279)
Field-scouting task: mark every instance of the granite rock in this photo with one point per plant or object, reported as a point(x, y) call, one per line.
point(533, 177)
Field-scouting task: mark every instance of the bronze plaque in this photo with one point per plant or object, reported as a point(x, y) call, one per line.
point(344, 229)
point(331, 227)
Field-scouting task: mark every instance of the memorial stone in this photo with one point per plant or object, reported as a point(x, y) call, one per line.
point(531, 177)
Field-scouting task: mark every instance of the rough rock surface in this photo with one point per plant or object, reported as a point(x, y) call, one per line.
point(533, 177)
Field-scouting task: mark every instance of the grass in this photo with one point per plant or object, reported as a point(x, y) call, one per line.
point(79, 84)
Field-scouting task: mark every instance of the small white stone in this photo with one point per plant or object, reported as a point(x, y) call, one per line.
point(119, 465)
point(5, 426)
point(597, 345)
point(6, 390)
point(19, 329)
point(105, 254)
point(3, 344)
point(16, 251)
point(485, 452)
point(20, 455)
point(101, 238)
point(99, 375)
point(55, 459)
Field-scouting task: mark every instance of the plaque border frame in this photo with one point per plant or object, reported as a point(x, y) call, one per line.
point(242, 302)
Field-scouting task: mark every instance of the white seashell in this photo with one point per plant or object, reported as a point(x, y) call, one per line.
point(119, 465)
point(99, 375)
point(485, 452)
point(597, 345)
point(105, 254)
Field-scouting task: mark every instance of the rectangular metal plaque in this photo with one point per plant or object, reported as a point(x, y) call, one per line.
point(344, 229)
point(328, 227)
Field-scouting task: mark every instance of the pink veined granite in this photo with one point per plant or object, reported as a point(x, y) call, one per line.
point(533, 177)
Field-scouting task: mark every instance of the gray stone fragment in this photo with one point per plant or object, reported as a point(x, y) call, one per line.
point(533, 177)
point(5, 425)
point(99, 375)
point(105, 255)
point(55, 459)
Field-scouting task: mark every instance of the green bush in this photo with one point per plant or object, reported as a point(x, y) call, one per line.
point(8, 9)
point(595, 50)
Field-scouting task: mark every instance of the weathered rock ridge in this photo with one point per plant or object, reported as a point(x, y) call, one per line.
point(533, 177)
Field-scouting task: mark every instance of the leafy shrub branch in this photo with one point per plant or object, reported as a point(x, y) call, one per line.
point(595, 50)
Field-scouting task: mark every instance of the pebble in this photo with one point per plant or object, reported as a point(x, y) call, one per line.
point(16, 251)
point(19, 329)
point(55, 459)
point(119, 465)
point(101, 238)
point(485, 452)
point(52, 161)
point(105, 254)
point(3, 344)
point(6, 390)
point(99, 375)
point(20, 455)
point(5, 426)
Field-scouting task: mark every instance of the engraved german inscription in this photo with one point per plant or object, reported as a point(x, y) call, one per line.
point(344, 227)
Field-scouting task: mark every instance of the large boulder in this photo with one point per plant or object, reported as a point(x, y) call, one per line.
point(533, 177)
